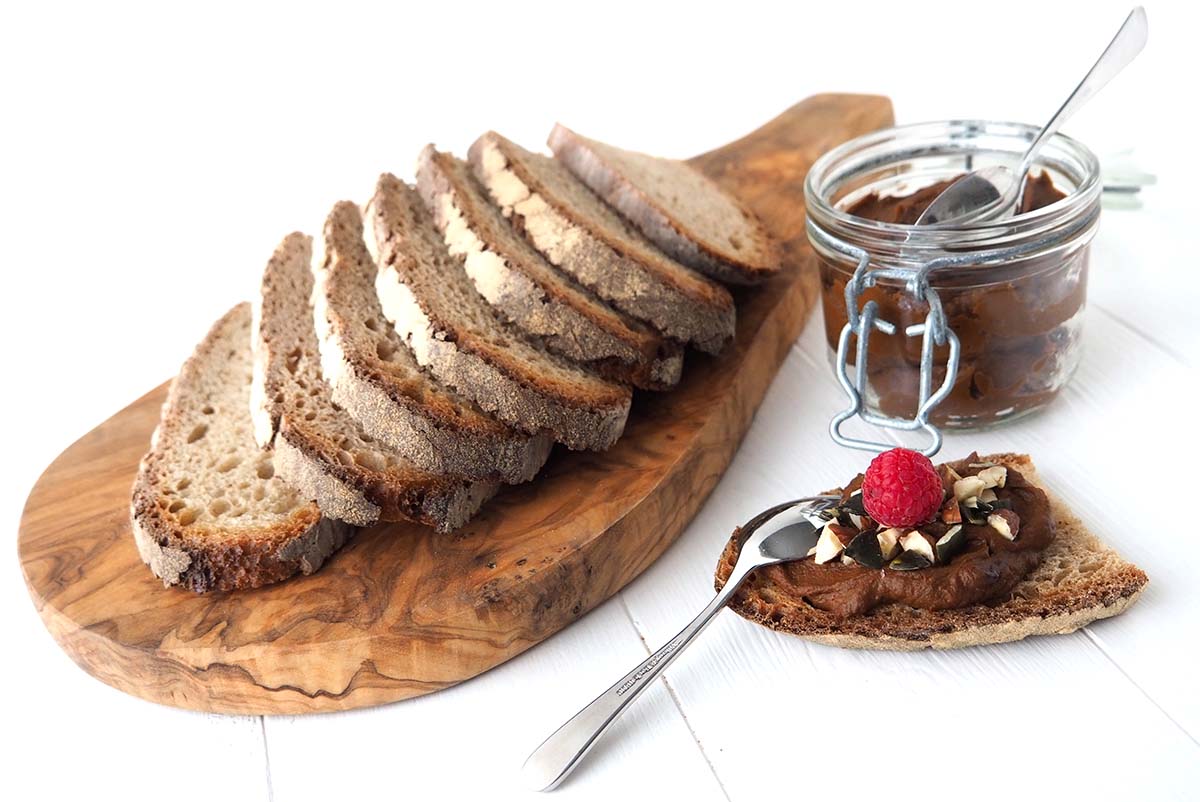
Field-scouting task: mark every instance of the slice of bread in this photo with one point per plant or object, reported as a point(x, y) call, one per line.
point(543, 302)
point(319, 449)
point(1079, 580)
point(457, 335)
point(676, 206)
point(376, 379)
point(578, 233)
point(208, 511)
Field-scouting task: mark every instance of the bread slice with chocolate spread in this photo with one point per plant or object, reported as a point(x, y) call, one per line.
point(1078, 580)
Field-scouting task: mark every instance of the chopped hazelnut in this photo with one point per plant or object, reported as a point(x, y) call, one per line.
point(968, 487)
point(889, 542)
point(830, 544)
point(994, 476)
point(1006, 522)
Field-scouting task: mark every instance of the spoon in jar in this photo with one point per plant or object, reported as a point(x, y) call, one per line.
point(780, 534)
point(992, 192)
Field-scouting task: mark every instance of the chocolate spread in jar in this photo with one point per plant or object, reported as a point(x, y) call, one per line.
point(906, 209)
point(987, 569)
point(1012, 322)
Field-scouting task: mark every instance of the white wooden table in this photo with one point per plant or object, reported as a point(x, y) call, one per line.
point(135, 132)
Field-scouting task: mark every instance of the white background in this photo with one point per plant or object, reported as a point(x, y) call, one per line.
point(150, 159)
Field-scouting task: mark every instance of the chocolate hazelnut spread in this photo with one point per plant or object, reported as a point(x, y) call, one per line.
point(906, 209)
point(988, 567)
point(1015, 322)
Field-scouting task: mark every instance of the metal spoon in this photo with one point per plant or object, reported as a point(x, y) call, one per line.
point(992, 192)
point(780, 534)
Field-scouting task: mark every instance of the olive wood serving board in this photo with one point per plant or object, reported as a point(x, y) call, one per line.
point(402, 611)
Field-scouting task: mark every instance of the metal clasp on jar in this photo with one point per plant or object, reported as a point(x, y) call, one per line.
point(933, 331)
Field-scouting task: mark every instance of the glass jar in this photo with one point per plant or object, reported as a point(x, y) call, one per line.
point(1015, 302)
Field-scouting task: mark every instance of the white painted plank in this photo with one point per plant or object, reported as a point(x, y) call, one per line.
point(777, 715)
point(468, 742)
point(1126, 469)
point(1141, 273)
point(68, 736)
point(756, 698)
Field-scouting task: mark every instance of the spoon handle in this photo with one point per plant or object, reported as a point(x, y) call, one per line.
point(559, 754)
point(1124, 47)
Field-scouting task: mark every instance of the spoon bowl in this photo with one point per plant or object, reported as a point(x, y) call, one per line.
point(972, 197)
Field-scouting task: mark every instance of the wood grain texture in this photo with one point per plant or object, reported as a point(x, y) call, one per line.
point(403, 611)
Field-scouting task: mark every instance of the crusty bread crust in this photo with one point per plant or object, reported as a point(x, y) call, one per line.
point(205, 557)
point(402, 407)
point(299, 462)
point(313, 438)
point(529, 293)
point(659, 224)
point(256, 558)
point(602, 252)
point(1079, 580)
point(362, 497)
point(582, 414)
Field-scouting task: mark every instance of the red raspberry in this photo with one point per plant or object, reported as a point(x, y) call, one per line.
point(902, 488)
